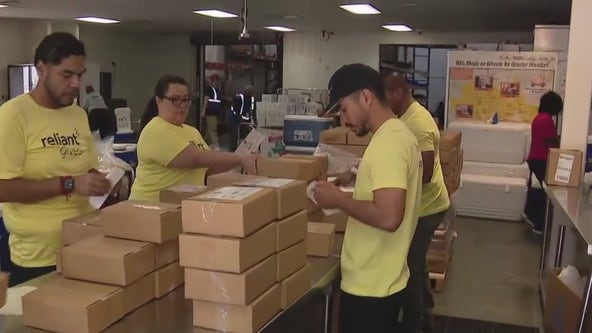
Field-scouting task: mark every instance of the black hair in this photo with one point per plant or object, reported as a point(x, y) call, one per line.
point(551, 103)
point(56, 47)
point(162, 86)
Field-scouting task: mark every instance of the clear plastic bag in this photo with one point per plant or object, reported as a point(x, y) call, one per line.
point(114, 167)
point(340, 161)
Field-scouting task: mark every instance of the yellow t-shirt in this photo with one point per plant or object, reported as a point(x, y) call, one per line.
point(373, 261)
point(159, 143)
point(435, 196)
point(40, 143)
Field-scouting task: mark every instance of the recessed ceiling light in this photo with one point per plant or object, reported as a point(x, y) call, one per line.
point(292, 17)
point(3, 6)
point(361, 9)
point(397, 27)
point(101, 20)
point(215, 13)
point(280, 28)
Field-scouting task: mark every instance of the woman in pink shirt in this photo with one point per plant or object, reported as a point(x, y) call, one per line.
point(544, 137)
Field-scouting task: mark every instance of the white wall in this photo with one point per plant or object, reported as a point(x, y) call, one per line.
point(310, 61)
point(138, 59)
point(13, 49)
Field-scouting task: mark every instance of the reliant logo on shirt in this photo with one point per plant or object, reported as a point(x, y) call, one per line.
point(199, 144)
point(69, 144)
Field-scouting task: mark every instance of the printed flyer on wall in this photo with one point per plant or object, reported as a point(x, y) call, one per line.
point(510, 84)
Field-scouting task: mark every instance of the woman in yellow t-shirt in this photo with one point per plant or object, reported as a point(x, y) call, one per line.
point(172, 153)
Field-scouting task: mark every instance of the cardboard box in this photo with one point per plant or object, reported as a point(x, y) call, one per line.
point(562, 306)
point(3, 288)
point(449, 156)
point(358, 151)
point(176, 194)
point(295, 286)
point(320, 238)
point(168, 279)
point(291, 260)
point(323, 162)
point(354, 140)
point(339, 219)
point(291, 230)
point(334, 136)
point(291, 168)
point(290, 193)
point(63, 305)
point(228, 288)
point(80, 227)
point(229, 211)
point(238, 318)
point(59, 261)
point(233, 255)
point(166, 253)
point(450, 140)
point(155, 222)
point(564, 167)
point(108, 260)
point(226, 179)
point(138, 293)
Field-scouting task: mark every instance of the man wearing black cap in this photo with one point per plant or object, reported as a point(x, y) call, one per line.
point(384, 208)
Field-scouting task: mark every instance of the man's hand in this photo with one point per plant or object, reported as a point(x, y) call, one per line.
point(249, 164)
point(92, 184)
point(328, 195)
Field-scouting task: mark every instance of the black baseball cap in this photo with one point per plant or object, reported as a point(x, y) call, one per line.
point(349, 79)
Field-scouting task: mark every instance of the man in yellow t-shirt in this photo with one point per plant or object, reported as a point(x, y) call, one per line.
point(434, 202)
point(46, 159)
point(385, 205)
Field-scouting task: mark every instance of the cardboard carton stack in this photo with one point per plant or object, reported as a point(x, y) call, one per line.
point(110, 274)
point(451, 158)
point(3, 288)
point(441, 248)
point(319, 239)
point(243, 252)
point(176, 194)
point(344, 139)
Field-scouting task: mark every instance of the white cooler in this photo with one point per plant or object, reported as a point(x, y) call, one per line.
point(496, 169)
point(501, 143)
point(492, 197)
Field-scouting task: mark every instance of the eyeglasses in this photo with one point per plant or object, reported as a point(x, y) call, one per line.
point(179, 101)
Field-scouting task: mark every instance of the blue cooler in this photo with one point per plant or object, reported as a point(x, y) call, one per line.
point(588, 165)
point(305, 131)
point(125, 137)
point(129, 155)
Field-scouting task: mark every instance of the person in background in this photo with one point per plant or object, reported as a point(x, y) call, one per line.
point(172, 153)
point(100, 118)
point(383, 210)
point(45, 161)
point(242, 111)
point(544, 137)
point(419, 303)
point(214, 108)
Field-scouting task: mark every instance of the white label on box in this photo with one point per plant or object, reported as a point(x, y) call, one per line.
point(564, 168)
point(268, 182)
point(187, 188)
point(232, 193)
point(148, 207)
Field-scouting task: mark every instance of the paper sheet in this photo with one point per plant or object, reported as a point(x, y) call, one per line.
point(268, 182)
point(232, 193)
point(14, 305)
point(187, 188)
point(564, 168)
point(310, 195)
point(114, 177)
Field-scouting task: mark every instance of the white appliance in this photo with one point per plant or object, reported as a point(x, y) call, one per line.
point(497, 170)
point(124, 120)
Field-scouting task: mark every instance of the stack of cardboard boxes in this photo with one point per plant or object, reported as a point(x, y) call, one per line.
point(110, 274)
point(451, 158)
point(442, 248)
point(243, 251)
point(344, 139)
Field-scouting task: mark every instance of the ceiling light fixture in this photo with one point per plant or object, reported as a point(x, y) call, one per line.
point(279, 28)
point(93, 19)
point(3, 6)
point(215, 13)
point(397, 27)
point(292, 17)
point(361, 9)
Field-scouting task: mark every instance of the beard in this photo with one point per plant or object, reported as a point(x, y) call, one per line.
point(57, 99)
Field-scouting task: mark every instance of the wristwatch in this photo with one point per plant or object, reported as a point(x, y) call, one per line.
point(67, 185)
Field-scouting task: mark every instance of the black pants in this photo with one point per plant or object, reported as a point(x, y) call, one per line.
point(419, 301)
point(536, 198)
point(369, 314)
point(21, 274)
point(104, 121)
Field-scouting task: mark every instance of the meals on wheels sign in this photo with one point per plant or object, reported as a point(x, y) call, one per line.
point(510, 84)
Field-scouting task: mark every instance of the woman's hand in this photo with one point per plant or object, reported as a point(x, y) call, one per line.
point(249, 164)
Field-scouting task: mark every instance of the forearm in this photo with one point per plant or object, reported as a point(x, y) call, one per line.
point(29, 191)
point(217, 162)
point(366, 212)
